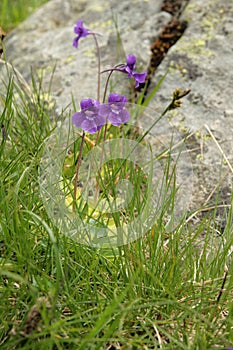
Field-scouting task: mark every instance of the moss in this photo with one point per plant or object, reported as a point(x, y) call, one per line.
point(174, 67)
point(100, 25)
point(90, 53)
point(208, 26)
point(69, 59)
point(98, 8)
point(208, 20)
point(41, 72)
point(195, 48)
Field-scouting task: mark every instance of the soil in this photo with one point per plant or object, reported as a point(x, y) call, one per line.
point(169, 35)
point(174, 7)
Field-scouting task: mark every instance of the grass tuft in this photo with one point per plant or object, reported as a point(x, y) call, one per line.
point(12, 12)
point(167, 290)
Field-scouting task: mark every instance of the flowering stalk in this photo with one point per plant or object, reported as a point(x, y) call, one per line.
point(107, 80)
point(129, 69)
point(89, 120)
point(82, 32)
point(93, 115)
point(77, 170)
point(98, 65)
point(116, 114)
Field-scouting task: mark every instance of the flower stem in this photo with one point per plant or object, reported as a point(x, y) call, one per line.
point(106, 85)
point(105, 92)
point(101, 163)
point(175, 103)
point(77, 170)
point(116, 69)
point(98, 66)
point(105, 129)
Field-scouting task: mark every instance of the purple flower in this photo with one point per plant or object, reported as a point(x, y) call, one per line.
point(115, 110)
point(80, 31)
point(89, 119)
point(130, 63)
point(139, 78)
point(129, 69)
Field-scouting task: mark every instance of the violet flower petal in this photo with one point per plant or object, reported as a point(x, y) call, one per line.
point(117, 118)
point(81, 32)
point(89, 119)
point(115, 110)
point(113, 98)
point(130, 62)
point(139, 78)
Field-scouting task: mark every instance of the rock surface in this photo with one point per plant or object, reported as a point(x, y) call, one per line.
point(45, 40)
point(200, 60)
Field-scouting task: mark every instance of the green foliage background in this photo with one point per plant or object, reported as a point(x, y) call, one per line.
point(12, 12)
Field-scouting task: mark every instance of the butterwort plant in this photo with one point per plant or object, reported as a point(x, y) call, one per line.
point(96, 114)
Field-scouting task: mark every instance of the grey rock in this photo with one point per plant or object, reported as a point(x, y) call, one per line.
point(201, 60)
point(45, 40)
